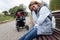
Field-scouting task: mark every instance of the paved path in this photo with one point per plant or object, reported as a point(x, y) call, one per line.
point(8, 30)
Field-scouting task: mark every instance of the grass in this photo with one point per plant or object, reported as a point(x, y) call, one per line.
point(4, 18)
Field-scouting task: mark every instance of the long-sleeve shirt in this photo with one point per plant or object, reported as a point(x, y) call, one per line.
point(42, 22)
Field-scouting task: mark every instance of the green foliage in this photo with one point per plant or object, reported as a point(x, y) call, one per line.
point(5, 12)
point(25, 14)
point(21, 6)
point(4, 18)
point(55, 5)
point(14, 9)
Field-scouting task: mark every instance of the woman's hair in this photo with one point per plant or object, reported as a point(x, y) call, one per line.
point(34, 2)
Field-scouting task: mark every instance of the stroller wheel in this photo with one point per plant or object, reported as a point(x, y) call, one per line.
point(17, 29)
point(27, 27)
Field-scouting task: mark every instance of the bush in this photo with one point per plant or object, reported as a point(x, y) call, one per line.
point(55, 5)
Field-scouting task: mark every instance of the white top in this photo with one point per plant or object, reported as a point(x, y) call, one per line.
point(42, 23)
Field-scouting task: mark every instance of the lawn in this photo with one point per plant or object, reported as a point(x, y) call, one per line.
point(4, 18)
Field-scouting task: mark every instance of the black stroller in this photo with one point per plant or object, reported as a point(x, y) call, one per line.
point(20, 24)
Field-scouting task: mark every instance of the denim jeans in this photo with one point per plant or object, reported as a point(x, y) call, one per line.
point(30, 34)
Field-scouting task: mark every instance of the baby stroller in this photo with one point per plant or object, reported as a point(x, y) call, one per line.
point(20, 24)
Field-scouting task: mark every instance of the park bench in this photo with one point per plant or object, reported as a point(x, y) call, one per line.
point(54, 36)
point(56, 31)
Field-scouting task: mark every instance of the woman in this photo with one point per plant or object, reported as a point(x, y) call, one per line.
point(42, 23)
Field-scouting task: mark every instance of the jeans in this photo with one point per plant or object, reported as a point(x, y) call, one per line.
point(30, 34)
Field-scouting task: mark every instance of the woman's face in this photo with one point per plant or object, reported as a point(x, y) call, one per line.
point(34, 7)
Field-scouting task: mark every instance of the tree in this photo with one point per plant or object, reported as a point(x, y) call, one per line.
point(25, 14)
point(13, 11)
point(16, 8)
point(55, 5)
point(5, 12)
point(22, 6)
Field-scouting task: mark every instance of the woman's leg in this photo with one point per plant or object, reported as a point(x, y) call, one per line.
point(31, 35)
point(29, 32)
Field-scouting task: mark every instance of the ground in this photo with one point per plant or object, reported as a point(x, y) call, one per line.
point(8, 30)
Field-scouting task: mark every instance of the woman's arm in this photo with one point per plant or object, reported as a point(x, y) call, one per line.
point(44, 12)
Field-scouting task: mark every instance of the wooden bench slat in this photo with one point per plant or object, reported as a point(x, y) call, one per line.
point(57, 38)
point(57, 32)
point(44, 38)
point(48, 37)
point(57, 35)
point(40, 38)
point(54, 36)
